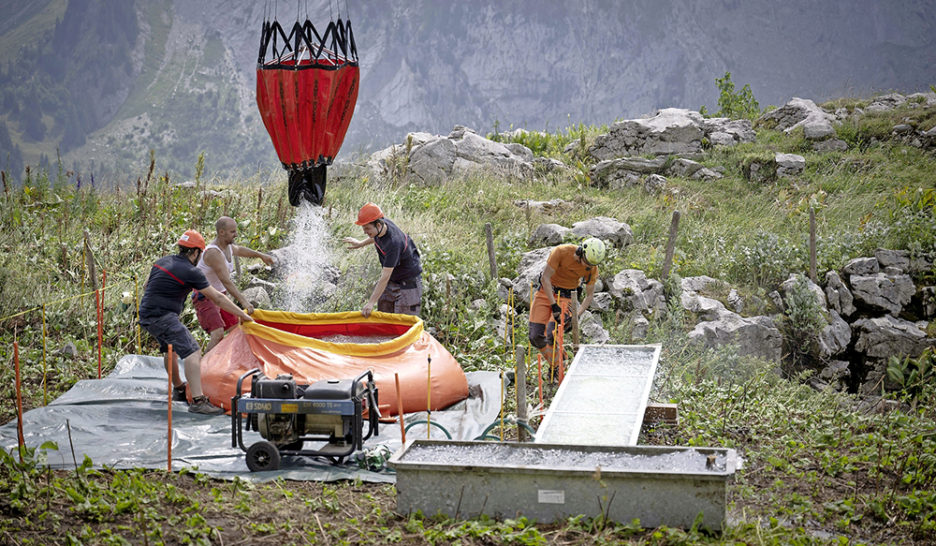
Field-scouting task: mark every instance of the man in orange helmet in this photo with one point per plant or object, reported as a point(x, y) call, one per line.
point(399, 288)
point(169, 283)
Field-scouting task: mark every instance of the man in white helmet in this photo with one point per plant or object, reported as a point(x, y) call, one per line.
point(566, 268)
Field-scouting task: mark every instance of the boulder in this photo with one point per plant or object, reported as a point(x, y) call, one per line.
point(548, 235)
point(789, 164)
point(654, 184)
point(707, 174)
point(671, 131)
point(637, 292)
point(528, 272)
point(862, 266)
point(728, 132)
point(607, 229)
point(816, 122)
point(624, 172)
point(838, 295)
point(834, 338)
point(257, 296)
point(893, 258)
point(830, 145)
point(592, 330)
point(433, 161)
point(787, 287)
point(639, 328)
point(882, 337)
point(693, 296)
point(836, 373)
point(602, 301)
point(683, 168)
point(883, 292)
point(755, 336)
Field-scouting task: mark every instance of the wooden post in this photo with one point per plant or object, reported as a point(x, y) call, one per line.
point(489, 234)
point(670, 245)
point(89, 260)
point(575, 323)
point(812, 245)
point(520, 378)
point(19, 402)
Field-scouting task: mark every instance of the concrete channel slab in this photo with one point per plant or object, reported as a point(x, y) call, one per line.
point(602, 399)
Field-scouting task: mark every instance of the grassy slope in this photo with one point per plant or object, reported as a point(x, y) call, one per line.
point(817, 468)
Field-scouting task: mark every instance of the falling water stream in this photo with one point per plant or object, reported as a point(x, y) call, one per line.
point(302, 287)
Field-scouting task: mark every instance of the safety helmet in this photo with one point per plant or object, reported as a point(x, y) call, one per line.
point(368, 214)
point(593, 249)
point(192, 239)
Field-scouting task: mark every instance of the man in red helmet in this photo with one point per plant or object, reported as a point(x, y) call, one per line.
point(169, 283)
point(399, 288)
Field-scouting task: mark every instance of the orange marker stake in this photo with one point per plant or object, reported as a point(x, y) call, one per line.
point(539, 374)
point(45, 384)
point(169, 448)
point(399, 401)
point(100, 329)
point(428, 397)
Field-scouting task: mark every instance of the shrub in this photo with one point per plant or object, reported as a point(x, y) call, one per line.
point(802, 322)
point(735, 105)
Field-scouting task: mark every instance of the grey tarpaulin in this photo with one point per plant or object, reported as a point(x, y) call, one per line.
point(121, 422)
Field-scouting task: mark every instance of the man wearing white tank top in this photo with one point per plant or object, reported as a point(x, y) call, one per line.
point(217, 263)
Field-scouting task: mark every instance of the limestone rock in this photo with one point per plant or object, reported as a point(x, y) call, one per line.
point(882, 292)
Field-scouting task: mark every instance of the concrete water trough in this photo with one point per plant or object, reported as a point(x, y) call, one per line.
point(669, 486)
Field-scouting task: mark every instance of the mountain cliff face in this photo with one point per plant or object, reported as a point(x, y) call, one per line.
point(105, 81)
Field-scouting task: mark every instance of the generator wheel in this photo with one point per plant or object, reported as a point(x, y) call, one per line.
point(262, 456)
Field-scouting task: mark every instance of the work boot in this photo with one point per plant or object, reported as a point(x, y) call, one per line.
point(202, 405)
point(178, 393)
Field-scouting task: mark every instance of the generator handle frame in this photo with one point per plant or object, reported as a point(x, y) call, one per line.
point(237, 438)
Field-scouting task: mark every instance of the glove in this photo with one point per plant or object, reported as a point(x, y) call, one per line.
point(556, 312)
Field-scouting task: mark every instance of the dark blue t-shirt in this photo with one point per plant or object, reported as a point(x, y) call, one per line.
point(166, 294)
point(397, 250)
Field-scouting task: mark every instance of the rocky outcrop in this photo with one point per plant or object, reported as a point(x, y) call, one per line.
point(433, 159)
point(671, 131)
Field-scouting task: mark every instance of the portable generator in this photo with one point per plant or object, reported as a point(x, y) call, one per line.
point(288, 415)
